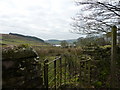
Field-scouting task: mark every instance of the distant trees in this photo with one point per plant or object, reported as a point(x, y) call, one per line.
point(64, 43)
point(96, 16)
point(92, 40)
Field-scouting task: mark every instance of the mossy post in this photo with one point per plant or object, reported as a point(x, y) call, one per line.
point(113, 57)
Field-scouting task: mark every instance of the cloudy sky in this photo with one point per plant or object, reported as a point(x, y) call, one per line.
point(46, 19)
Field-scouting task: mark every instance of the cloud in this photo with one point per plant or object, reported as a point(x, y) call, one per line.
point(46, 19)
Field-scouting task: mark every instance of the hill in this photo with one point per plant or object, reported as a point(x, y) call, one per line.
point(16, 39)
point(53, 41)
point(27, 37)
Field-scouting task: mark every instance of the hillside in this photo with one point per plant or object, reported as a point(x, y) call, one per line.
point(52, 41)
point(16, 39)
point(27, 37)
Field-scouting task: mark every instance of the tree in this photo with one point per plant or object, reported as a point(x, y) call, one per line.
point(64, 43)
point(96, 16)
point(92, 40)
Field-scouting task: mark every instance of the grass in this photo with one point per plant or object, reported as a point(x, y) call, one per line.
point(17, 40)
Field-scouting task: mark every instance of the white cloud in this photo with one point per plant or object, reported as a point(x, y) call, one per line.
point(47, 19)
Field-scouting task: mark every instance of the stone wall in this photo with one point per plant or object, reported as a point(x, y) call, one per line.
point(21, 68)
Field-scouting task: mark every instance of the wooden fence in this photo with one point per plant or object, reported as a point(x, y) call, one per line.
point(61, 75)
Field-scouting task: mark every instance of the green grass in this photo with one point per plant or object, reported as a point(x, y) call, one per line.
point(17, 40)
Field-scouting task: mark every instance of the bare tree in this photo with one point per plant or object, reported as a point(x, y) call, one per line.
point(96, 16)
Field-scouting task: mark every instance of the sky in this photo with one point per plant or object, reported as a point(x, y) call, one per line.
point(46, 19)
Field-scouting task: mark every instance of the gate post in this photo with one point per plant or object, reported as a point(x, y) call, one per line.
point(113, 56)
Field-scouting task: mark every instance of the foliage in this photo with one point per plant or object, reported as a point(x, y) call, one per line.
point(64, 43)
point(98, 84)
point(92, 41)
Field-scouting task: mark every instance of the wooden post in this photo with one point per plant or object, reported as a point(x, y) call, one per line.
point(55, 74)
point(60, 71)
point(46, 73)
point(113, 56)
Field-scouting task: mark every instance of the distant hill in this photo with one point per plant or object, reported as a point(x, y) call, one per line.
point(16, 39)
point(27, 37)
point(53, 41)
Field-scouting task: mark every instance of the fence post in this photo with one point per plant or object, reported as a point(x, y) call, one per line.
point(55, 73)
point(113, 57)
point(60, 71)
point(46, 73)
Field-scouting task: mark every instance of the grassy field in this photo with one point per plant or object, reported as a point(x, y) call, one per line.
point(8, 39)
